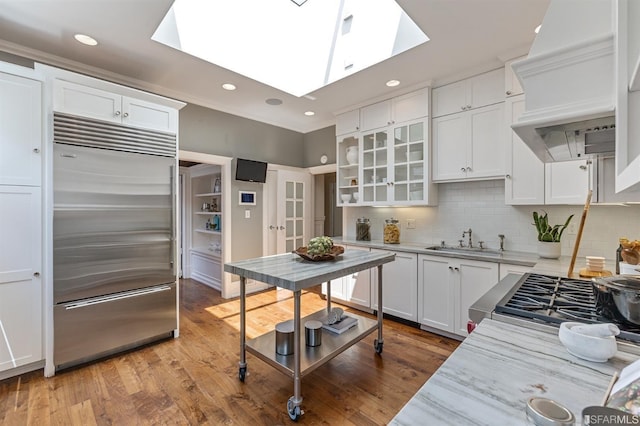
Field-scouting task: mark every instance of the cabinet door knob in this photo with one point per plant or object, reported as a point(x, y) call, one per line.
point(468, 106)
point(36, 274)
point(507, 176)
point(126, 114)
point(117, 113)
point(583, 167)
point(468, 169)
point(36, 150)
point(508, 92)
point(462, 169)
point(456, 269)
point(463, 108)
point(451, 268)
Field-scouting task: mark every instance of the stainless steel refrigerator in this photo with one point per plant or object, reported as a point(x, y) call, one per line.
point(113, 238)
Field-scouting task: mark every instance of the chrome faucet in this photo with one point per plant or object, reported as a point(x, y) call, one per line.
point(470, 244)
point(501, 236)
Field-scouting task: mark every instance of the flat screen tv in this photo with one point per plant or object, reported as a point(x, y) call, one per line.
point(251, 171)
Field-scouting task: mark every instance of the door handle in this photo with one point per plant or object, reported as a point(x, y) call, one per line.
point(271, 227)
point(281, 227)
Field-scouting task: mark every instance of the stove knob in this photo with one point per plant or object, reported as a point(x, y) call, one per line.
point(471, 326)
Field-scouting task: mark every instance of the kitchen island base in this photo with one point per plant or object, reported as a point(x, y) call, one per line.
point(293, 273)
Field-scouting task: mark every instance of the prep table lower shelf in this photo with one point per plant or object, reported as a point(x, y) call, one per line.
point(264, 347)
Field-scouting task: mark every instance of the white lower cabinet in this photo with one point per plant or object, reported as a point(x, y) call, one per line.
point(448, 287)
point(20, 282)
point(355, 289)
point(399, 286)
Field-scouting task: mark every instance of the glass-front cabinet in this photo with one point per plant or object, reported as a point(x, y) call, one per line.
point(394, 164)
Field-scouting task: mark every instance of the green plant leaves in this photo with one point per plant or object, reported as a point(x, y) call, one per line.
point(547, 232)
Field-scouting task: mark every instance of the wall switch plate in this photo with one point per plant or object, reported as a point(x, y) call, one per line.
point(411, 224)
point(247, 214)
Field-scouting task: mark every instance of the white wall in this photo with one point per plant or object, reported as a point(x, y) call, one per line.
point(480, 206)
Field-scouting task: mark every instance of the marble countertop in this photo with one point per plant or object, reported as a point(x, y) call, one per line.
point(492, 374)
point(293, 273)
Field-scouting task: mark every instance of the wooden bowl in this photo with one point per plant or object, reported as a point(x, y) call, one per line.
point(335, 252)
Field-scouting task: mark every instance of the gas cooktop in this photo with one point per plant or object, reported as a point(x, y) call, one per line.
point(553, 300)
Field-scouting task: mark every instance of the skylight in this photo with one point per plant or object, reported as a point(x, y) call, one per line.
point(296, 49)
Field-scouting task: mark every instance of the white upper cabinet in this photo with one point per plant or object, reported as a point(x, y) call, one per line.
point(348, 122)
point(475, 92)
point(568, 182)
point(403, 108)
point(524, 178)
point(99, 104)
point(512, 85)
point(468, 145)
point(20, 130)
point(606, 178)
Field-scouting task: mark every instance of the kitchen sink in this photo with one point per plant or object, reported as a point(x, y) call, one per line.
point(475, 251)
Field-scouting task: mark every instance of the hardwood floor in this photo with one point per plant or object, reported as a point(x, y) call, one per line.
point(193, 379)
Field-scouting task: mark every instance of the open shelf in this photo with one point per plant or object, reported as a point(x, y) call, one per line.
point(264, 347)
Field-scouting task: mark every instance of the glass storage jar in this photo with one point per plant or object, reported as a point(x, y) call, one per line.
point(391, 231)
point(363, 229)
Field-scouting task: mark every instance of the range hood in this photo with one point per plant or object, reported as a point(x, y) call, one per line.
point(569, 83)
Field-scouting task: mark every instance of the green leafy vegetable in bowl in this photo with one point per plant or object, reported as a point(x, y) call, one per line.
point(319, 246)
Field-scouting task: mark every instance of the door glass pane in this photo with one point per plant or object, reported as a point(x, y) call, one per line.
point(289, 212)
point(289, 190)
point(400, 135)
point(299, 190)
point(289, 245)
point(298, 242)
point(299, 223)
point(299, 208)
point(289, 228)
point(416, 132)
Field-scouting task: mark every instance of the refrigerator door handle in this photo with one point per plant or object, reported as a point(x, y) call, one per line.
point(173, 218)
point(105, 299)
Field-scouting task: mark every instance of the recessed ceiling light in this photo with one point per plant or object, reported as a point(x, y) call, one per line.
point(392, 83)
point(85, 39)
point(537, 30)
point(229, 86)
point(274, 101)
point(309, 113)
point(311, 98)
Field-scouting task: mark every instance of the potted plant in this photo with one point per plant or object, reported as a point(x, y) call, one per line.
point(549, 236)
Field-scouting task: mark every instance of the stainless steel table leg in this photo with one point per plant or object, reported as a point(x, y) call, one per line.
point(293, 405)
point(242, 371)
point(379, 342)
point(328, 297)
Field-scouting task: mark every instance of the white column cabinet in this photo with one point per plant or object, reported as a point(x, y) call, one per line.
point(21, 292)
point(448, 287)
point(403, 108)
point(399, 286)
point(102, 105)
point(475, 92)
point(466, 145)
point(568, 182)
point(524, 177)
point(512, 85)
point(348, 122)
point(20, 130)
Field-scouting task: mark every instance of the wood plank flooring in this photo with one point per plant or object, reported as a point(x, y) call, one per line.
point(193, 379)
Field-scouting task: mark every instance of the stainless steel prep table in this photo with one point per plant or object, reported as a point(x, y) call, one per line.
point(291, 272)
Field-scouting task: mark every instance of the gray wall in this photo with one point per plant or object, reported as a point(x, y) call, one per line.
point(317, 143)
point(214, 132)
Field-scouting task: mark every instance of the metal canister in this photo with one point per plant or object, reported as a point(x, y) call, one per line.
point(391, 232)
point(284, 337)
point(363, 229)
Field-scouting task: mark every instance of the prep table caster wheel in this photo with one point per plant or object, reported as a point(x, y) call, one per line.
point(242, 373)
point(294, 412)
point(378, 346)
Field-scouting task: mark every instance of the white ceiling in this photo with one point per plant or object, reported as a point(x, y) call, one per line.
point(466, 37)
